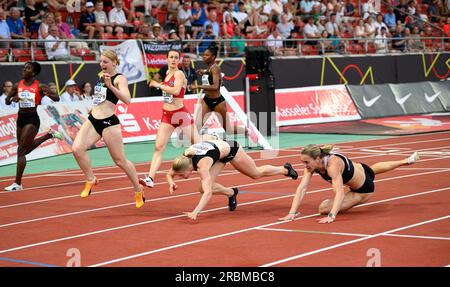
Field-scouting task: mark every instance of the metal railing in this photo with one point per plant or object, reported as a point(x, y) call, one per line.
point(282, 48)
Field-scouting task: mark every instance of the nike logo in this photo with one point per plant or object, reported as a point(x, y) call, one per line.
point(402, 100)
point(432, 98)
point(370, 103)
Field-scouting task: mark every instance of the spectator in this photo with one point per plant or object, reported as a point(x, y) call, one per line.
point(213, 21)
point(444, 10)
point(275, 43)
point(237, 47)
point(184, 16)
point(433, 12)
point(140, 8)
point(228, 10)
point(306, 7)
point(33, 16)
point(380, 24)
point(55, 48)
point(228, 30)
point(332, 27)
point(173, 36)
point(6, 89)
point(144, 32)
point(368, 9)
point(243, 21)
point(398, 44)
point(70, 95)
point(291, 47)
point(446, 28)
point(65, 33)
point(47, 21)
point(45, 99)
point(86, 92)
point(17, 28)
point(389, 18)
point(186, 46)
point(411, 22)
point(370, 28)
point(157, 33)
point(381, 42)
point(402, 11)
point(199, 16)
point(101, 18)
point(189, 72)
point(429, 41)
point(88, 23)
point(285, 27)
point(159, 77)
point(311, 32)
point(411, 10)
point(321, 24)
point(359, 32)
point(118, 20)
point(206, 39)
point(349, 11)
point(4, 30)
point(277, 9)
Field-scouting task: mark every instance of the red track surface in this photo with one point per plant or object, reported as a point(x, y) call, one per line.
point(407, 220)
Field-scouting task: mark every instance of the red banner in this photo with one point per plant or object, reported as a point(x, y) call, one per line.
point(314, 105)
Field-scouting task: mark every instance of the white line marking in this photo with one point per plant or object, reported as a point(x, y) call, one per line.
point(313, 232)
point(302, 255)
point(245, 230)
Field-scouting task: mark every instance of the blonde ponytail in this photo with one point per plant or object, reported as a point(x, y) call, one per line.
point(316, 151)
point(189, 152)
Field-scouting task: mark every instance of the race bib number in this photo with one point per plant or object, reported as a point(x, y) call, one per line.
point(205, 80)
point(27, 99)
point(99, 94)
point(168, 98)
point(202, 148)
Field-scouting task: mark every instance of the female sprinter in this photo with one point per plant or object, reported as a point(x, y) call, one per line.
point(208, 158)
point(103, 123)
point(340, 171)
point(28, 94)
point(174, 115)
point(213, 101)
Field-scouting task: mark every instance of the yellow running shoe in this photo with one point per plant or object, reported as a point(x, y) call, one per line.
point(88, 187)
point(140, 199)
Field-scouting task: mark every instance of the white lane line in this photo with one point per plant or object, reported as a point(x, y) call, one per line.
point(194, 193)
point(313, 232)
point(190, 179)
point(247, 229)
point(353, 234)
point(302, 255)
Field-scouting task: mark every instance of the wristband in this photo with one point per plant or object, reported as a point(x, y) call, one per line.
point(332, 216)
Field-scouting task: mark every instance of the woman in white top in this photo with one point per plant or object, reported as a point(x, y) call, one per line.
point(370, 28)
point(47, 21)
point(360, 31)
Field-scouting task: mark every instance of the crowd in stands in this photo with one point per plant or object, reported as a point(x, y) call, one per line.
point(287, 27)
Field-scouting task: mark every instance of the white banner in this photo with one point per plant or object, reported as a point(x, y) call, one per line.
point(131, 62)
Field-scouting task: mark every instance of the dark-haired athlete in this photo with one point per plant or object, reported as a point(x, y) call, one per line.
point(208, 158)
point(28, 94)
point(339, 170)
point(213, 101)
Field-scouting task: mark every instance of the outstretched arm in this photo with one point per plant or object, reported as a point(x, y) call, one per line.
point(206, 183)
point(335, 172)
point(172, 185)
point(299, 194)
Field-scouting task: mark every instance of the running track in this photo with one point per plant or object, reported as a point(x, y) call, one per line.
point(406, 222)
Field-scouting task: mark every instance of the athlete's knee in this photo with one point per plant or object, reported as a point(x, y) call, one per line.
point(325, 207)
point(121, 162)
point(160, 148)
point(77, 149)
point(22, 150)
